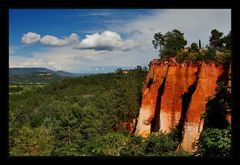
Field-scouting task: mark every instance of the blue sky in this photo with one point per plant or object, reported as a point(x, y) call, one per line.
point(101, 40)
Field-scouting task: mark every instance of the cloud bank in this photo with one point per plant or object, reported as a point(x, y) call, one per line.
point(31, 38)
point(194, 23)
point(107, 40)
point(128, 44)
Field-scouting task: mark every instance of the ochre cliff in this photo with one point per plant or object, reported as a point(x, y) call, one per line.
point(206, 85)
point(175, 95)
point(150, 93)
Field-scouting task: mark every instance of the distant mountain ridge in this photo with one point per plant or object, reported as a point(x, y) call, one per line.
point(39, 75)
point(24, 71)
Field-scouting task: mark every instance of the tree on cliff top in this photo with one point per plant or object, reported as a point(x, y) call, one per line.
point(169, 44)
point(227, 41)
point(194, 47)
point(215, 39)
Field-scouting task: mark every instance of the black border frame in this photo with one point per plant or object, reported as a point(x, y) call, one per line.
point(5, 5)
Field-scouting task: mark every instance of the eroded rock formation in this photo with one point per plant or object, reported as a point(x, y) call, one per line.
point(175, 95)
point(206, 85)
point(150, 92)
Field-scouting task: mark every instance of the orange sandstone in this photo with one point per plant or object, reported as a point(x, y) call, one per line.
point(176, 94)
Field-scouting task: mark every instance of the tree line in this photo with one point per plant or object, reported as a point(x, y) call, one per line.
point(172, 45)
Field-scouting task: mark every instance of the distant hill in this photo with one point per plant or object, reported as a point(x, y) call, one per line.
point(38, 75)
point(21, 71)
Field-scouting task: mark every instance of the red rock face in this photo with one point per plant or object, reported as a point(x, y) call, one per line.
point(174, 93)
point(179, 78)
point(155, 78)
point(206, 85)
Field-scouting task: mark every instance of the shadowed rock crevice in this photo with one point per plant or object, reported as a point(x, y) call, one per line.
point(155, 124)
point(186, 99)
point(149, 82)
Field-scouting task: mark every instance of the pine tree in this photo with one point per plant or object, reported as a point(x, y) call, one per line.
point(199, 44)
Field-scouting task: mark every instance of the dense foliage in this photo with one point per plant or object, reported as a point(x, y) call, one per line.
point(215, 139)
point(172, 45)
point(15, 89)
point(33, 78)
point(218, 107)
point(215, 39)
point(214, 142)
point(76, 117)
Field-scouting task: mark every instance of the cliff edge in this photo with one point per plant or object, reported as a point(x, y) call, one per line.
point(175, 95)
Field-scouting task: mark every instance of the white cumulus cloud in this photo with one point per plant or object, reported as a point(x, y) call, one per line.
point(107, 40)
point(73, 38)
point(52, 40)
point(30, 38)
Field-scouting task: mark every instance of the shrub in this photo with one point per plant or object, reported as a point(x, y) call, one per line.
point(136, 147)
point(210, 55)
point(15, 89)
point(110, 144)
point(224, 57)
point(216, 108)
point(214, 142)
point(180, 57)
point(194, 47)
point(160, 145)
point(191, 58)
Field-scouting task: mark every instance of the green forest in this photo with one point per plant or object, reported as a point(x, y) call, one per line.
point(92, 115)
point(76, 116)
point(84, 117)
